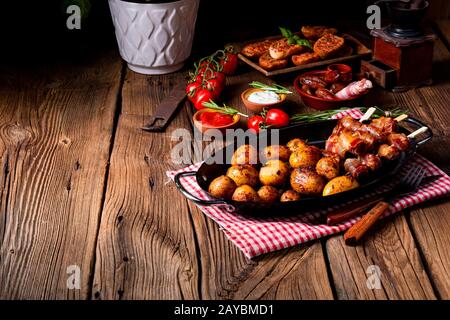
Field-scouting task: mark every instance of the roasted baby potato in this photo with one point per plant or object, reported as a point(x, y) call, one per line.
point(268, 194)
point(245, 154)
point(339, 184)
point(289, 195)
point(307, 181)
point(305, 157)
point(243, 174)
point(274, 173)
point(245, 193)
point(276, 152)
point(222, 187)
point(296, 144)
point(328, 167)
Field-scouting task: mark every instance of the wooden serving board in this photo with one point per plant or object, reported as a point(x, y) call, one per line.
point(359, 51)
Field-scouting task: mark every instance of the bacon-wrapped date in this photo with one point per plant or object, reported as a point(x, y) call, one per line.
point(337, 86)
point(356, 168)
point(398, 140)
point(372, 161)
point(388, 152)
point(325, 94)
point(314, 82)
point(331, 76)
point(307, 89)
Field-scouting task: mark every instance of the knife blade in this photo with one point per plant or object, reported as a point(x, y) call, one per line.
point(166, 109)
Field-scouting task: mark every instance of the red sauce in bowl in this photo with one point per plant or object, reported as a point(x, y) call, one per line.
point(216, 119)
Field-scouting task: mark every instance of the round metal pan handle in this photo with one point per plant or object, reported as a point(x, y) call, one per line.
point(428, 134)
point(190, 196)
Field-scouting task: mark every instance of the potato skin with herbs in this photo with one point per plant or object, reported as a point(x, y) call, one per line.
point(243, 174)
point(245, 154)
point(222, 187)
point(305, 157)
point(307, 181)
point(328, 167)
point(289, 195)
point(245, 193)
point(268, 194)
point(296, 144)
point(274, 173)
point(276, 152)
point(339, 184)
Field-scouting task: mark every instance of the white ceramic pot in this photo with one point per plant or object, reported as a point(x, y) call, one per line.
point(154, 38)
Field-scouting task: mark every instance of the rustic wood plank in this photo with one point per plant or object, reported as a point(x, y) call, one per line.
point(146, 246)
point(430, 224)
point(391, 247)
point(52, 177)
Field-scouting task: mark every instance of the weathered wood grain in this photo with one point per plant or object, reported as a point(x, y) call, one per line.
point(146, 246)
point(430, 224)
point(54, 148)
point(390, 247)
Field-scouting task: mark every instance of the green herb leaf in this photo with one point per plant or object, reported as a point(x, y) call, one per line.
point(274, 87)
point(222, 109)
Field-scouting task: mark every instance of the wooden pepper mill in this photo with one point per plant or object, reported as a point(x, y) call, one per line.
point(402, 51)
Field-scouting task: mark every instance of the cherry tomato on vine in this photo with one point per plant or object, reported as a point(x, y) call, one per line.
point(255, 123)
point(192, 88)
point(277, 118)
point(202, 95)
point(215, 86)
point(229, 63)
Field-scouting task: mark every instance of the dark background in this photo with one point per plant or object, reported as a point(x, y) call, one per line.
point(37, 29)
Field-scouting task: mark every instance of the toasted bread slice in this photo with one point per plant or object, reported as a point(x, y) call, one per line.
point(328, 45)
point(304, 58)
point(315, 32)
point(269, 63)
point(281, 49)
point(257, 49)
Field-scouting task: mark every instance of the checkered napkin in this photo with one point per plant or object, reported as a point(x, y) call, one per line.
point(255, 236)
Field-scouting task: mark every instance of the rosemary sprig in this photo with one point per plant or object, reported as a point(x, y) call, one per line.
point(223, 109)
point(324, 115)
point(274, 87)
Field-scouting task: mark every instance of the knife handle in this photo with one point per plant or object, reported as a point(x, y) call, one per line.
point(351, 211)
point(359, 229)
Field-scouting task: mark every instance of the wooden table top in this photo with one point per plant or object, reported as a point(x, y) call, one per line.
point(81, 186)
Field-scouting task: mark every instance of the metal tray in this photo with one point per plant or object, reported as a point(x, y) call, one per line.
point(316, 134)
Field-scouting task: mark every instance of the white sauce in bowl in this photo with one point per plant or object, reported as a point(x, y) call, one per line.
point(263, 97)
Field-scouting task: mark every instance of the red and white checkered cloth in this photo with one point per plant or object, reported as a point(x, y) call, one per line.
point(255, 236)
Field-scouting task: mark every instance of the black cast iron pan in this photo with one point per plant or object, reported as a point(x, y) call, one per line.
point(316, 134)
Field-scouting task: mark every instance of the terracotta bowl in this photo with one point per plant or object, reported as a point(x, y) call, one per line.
point(258, 107)
point(320, 103)
point(203, 128)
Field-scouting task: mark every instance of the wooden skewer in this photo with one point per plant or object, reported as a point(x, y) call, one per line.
point(401, 117)
point(368, 114)
point(417, 132)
